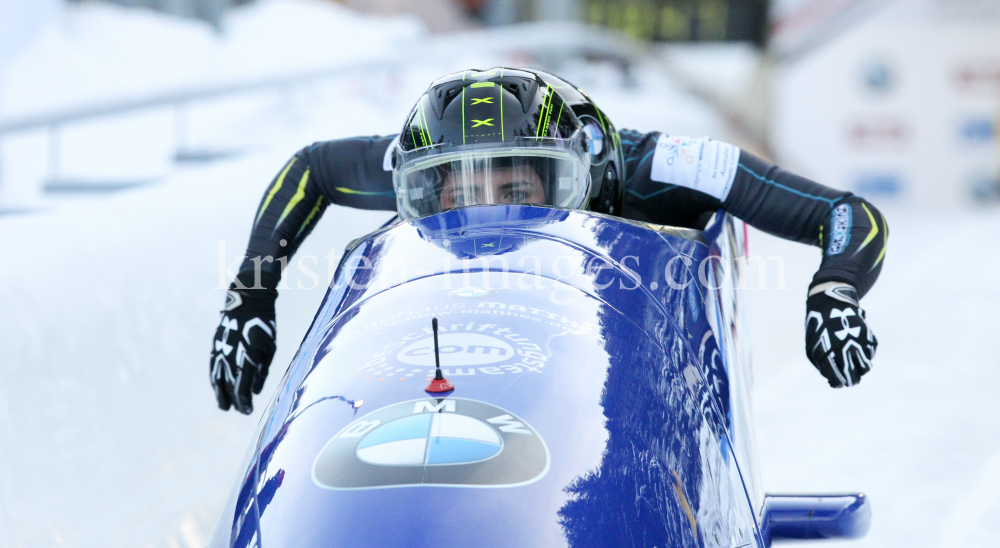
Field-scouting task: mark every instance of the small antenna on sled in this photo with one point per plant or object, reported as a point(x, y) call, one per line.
point(439, 384)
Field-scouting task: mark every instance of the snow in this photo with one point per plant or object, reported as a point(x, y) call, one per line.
point(921, 433)
point(19, 20)
point(101, 52)
point(109, 434)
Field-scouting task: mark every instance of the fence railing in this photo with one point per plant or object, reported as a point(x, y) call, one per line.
point(546, 44)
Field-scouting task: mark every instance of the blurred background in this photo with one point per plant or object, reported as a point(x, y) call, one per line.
point(137, 137)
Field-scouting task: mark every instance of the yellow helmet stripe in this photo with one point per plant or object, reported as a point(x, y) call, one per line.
point(500, 95)
point(547, 110)
point(424, 132)
point(559, 117)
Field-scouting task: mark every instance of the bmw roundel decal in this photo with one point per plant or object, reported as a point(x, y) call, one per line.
point(433, 441)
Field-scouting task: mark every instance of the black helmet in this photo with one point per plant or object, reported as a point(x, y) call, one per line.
point(506, 136)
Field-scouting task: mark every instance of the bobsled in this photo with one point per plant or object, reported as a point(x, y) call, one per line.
point(598, 396)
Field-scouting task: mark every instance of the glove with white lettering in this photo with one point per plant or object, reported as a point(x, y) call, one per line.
point(243, 347)
point(838, 340)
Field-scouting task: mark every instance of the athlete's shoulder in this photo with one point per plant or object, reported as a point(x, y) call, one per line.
point(354, 171)
point(656, 162)
point(632, 136)
point(632, 140)
point(349, 148)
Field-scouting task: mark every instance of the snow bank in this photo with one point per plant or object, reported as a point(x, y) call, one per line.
point(18, 23)
point(110, 433)
point(99, 52)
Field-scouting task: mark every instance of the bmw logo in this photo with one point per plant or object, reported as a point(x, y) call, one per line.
point(433, 441)
point(472, 293)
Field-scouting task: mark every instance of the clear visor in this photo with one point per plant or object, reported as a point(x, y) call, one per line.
point(543, 171)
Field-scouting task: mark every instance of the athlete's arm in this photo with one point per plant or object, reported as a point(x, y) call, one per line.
point(676, 180)
point(345, 172)
point(853, 236)
point(851, 232)
point(348, 172)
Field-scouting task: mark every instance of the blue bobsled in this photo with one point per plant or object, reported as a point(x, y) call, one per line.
point(600, 400)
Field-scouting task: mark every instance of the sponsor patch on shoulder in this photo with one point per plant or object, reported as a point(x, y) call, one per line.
point(700, 164)
point(840, 233)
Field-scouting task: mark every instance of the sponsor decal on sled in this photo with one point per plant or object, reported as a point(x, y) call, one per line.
point(433, 441)
point(467, 348)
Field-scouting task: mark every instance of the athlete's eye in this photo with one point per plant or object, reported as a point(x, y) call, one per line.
point(517, 192)
point(517, 197)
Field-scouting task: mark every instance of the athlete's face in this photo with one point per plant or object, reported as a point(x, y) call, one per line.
point(512, 185)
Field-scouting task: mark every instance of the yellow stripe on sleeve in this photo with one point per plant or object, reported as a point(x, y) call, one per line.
point(309, 218)
point(296, 198)
point(872, 233)
point(885, 242)
point(274, 190)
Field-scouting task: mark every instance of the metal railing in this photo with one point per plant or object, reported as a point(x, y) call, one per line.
point(547, 44)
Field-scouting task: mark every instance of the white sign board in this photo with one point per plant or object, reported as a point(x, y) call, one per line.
point(901, 106)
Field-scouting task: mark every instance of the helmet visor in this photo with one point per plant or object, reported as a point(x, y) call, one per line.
point(543, 171)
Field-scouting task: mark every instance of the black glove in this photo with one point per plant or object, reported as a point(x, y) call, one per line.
point(838, 340)
point(243, 347)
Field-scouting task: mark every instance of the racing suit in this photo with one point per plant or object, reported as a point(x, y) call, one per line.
point(356, 172)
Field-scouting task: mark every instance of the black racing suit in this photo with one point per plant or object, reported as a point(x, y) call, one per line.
point(351, 172)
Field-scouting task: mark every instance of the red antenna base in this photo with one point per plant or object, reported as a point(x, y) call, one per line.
point(436, 386)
